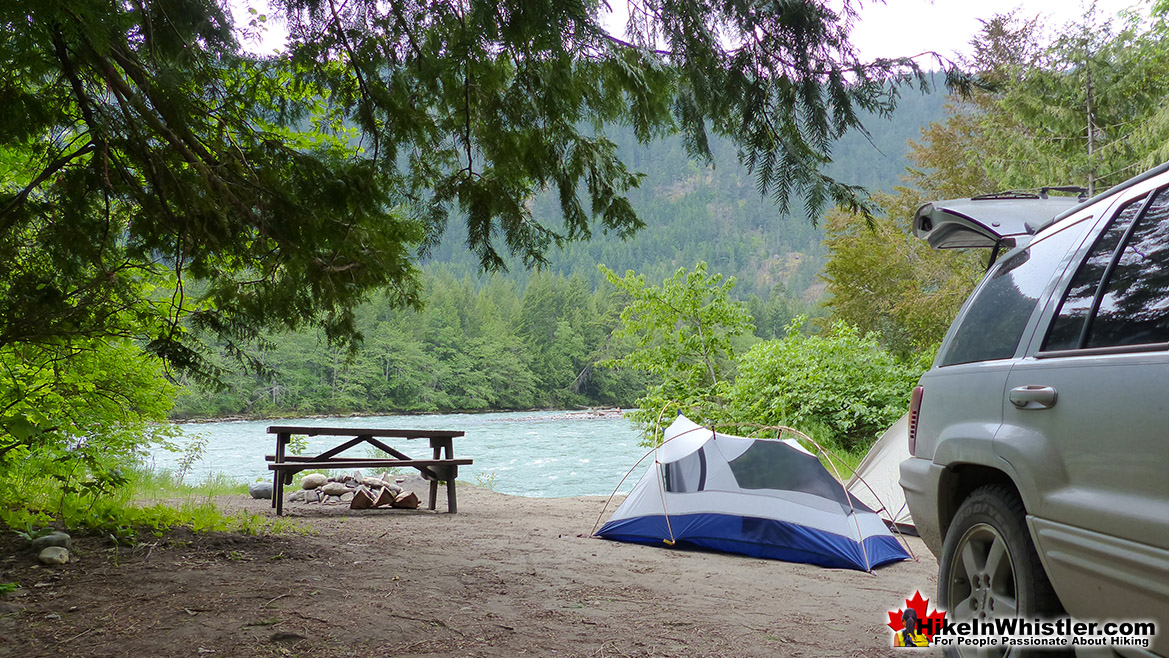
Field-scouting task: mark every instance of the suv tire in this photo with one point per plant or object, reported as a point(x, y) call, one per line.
point(989, 567)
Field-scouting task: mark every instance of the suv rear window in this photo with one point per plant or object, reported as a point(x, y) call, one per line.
point(998, 313)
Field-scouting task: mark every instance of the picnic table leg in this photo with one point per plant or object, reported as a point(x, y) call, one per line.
point(433, 483)
point(452, 505)
point(277, 476)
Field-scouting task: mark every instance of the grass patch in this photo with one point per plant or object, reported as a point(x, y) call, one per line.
point(486, 480)
point(149, 484)
point(149, 501)
point(844, 461)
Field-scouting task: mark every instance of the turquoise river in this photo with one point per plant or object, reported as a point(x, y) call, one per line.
point(539, 454)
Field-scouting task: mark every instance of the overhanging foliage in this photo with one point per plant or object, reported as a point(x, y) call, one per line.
point(154, 172)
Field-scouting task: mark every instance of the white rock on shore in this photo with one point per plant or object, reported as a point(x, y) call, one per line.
point(313, 481)
point(335, 489)
point(57, 538)
point(54, 555)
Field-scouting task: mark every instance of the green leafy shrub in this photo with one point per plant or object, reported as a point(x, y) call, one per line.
point(841, 383)
point(76, 417)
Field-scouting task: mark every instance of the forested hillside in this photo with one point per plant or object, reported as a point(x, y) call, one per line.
point(695, 212)
point(525, 339)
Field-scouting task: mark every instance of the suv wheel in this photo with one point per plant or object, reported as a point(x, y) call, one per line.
point(989, 567)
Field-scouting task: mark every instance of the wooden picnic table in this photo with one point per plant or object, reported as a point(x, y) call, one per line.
point(442, 467)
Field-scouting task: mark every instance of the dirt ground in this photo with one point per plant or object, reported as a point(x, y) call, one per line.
point(506, 576)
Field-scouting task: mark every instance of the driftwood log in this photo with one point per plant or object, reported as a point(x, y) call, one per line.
point(381, 492)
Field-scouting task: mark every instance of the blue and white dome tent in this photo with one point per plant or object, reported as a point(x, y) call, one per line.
point(766, 498)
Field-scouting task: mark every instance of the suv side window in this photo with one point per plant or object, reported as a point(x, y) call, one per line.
point(1120, 297)
point(1066, 329)
point(998, 314)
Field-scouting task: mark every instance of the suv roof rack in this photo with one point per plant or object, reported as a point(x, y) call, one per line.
point(1080, 192)
point(1159, 169)
point(1009, 194)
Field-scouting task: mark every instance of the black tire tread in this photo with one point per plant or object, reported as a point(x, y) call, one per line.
point(1004, 501)
point(1046, 601)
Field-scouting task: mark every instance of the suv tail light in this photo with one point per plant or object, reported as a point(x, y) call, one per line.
point(914, 414)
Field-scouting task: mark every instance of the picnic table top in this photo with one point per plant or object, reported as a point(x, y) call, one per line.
point(364, 431)
point(284, 466)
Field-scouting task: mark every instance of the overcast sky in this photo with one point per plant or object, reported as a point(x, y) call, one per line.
point(908, 27)
point(895, 28)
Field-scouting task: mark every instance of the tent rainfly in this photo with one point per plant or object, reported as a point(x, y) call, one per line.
point(760, 497)
point(876, 482)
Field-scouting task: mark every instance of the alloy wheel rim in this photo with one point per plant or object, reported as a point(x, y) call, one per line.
point(982, 582)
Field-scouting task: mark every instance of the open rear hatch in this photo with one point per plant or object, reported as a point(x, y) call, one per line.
point(992, 220)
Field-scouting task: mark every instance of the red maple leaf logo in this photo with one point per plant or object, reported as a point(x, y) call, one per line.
point(929, 624)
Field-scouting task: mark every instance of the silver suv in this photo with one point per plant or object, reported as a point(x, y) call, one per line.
point(1039, 439)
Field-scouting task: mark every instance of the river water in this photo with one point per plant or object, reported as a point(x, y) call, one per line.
point(539, 454)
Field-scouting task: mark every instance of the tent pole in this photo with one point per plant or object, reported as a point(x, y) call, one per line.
point(885, 508)
point(606, 506)
point(662, 488)
point(658, 464)
point(665, 512)
point(651, 451)
point(860, 537)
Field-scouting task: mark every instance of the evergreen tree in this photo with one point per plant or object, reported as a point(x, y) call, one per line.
point(1085, 111)
point(144, 147)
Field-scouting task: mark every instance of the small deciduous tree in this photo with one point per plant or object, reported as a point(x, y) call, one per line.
point(75, 415)
point(682, 332)
point(882, 279)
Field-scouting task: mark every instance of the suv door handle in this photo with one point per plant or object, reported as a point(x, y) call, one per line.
point(1033, 397)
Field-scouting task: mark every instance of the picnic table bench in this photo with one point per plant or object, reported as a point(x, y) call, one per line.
point(442, 467)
